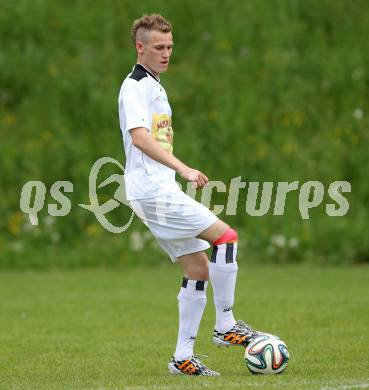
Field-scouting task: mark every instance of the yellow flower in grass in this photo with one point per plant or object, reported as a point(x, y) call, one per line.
point(289, 148)
point(213, 114)
point(336, 132)
point(9, 119)
point(261, 152)
point(52, 70)
point(295, 119)
point(93, 230)
point(15, 223)
point(286, 120)
point(223, 45)
point(46, 136)
point(31, 146)
point(298, 118)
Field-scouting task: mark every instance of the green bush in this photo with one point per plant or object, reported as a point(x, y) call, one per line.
point(269, 91)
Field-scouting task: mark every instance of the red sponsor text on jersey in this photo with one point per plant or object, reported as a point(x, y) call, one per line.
point(163, 124)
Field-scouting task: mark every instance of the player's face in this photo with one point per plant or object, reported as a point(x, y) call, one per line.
point(156, 52)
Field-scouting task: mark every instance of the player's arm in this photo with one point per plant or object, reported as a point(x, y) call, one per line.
point(148, 145)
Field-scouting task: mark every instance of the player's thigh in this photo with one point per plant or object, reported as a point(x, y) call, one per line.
point(214, 231)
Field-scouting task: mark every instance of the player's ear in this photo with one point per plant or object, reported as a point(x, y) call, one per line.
point(140, 47)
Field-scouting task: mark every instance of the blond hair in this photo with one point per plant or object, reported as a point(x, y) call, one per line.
point(154, 22)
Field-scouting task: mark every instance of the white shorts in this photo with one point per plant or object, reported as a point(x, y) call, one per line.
point(175, 219)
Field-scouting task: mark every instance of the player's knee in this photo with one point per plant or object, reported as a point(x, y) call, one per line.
point(203, 275)
point(230, 235)
point(199, 271)
point(203, 271)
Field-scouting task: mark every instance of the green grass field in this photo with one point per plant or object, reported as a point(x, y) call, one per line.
point(116, 329)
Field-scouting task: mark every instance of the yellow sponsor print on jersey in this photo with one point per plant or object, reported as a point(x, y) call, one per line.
point(161, 130)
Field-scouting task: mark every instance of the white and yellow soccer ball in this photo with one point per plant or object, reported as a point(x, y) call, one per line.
point(266, 354)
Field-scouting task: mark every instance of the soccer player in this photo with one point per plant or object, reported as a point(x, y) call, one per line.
point(183, 227)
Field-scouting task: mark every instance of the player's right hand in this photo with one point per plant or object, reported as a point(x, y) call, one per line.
point(193, 175)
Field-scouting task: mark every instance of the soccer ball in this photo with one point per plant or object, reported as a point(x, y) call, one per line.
point(266, 354)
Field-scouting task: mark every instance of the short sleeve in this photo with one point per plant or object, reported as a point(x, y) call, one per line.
point(135, 103)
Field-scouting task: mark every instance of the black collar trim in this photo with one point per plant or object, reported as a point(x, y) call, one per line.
point(139, 66)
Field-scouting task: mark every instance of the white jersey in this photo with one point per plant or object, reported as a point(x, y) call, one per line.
point(143, 102)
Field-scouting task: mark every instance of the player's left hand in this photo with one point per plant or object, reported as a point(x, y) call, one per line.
point(196, 177)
